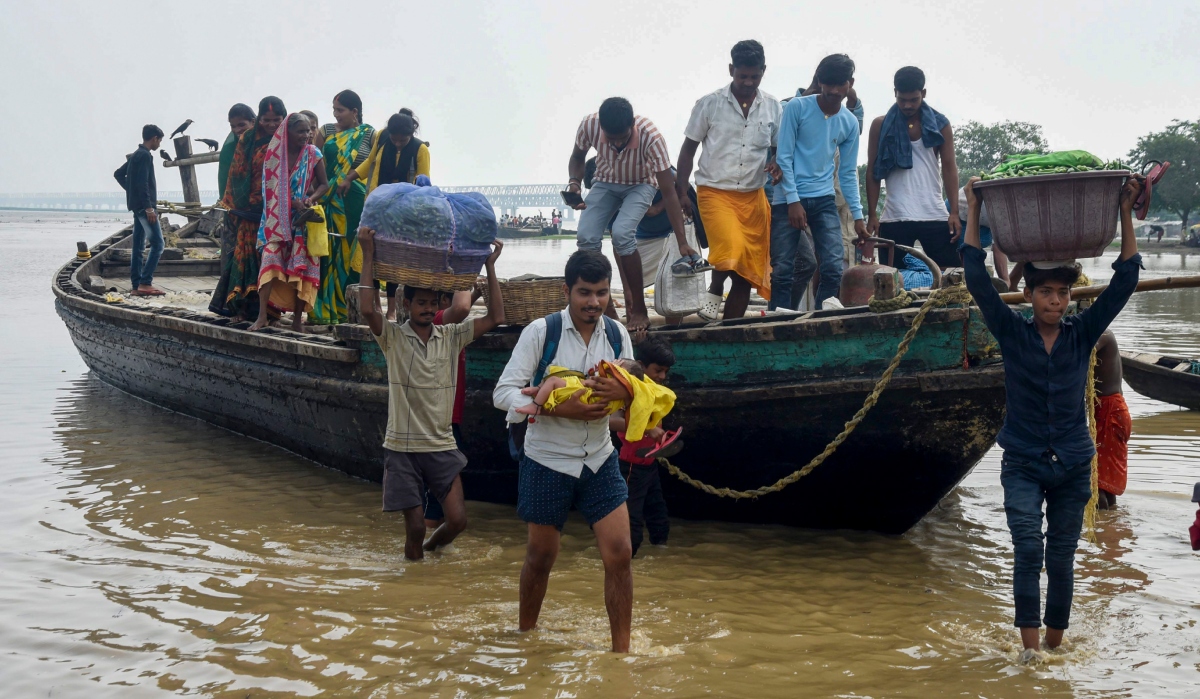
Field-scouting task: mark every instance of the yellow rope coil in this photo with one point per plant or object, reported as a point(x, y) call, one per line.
point(940, 297)
point(1089, 395)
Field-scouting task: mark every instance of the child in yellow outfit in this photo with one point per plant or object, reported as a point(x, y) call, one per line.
point(649, 405)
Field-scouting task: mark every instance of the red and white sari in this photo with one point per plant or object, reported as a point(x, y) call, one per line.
point(284, 248)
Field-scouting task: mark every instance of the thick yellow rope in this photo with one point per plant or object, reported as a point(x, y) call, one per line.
point(1089, 395)
point(940, 297)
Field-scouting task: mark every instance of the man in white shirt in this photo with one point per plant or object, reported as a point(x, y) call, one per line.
point(569, 457)
point(738, 125)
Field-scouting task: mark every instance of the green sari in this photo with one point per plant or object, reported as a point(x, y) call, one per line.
point(344, 263)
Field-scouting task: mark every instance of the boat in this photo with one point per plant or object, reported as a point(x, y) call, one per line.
point(1173, 380)
point(757, 398)
point(534, 231)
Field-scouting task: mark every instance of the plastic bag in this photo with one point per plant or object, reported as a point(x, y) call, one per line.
point(317, 234)
point(428, 217)
point(678, 296)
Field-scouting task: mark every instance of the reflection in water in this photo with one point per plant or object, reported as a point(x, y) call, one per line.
point(147, 550)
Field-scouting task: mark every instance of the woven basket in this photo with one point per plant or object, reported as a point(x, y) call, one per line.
point(414, 265)
point(526, 300)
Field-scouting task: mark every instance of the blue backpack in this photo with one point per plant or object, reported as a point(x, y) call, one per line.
point(516, 430)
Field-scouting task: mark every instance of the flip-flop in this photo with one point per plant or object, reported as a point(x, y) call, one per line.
point(1141, 207)
point(668, 446)
point(690, 265)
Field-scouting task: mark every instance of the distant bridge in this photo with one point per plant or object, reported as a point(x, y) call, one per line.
point(506, 198)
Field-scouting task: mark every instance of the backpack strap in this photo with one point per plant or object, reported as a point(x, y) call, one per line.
point(549, 347)
point(614, 336)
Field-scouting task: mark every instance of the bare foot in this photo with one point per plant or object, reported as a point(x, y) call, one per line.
point(638, 325)
point(258, 325)
point(531, 409)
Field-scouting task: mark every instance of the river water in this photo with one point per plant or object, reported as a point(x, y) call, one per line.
point(146, 553)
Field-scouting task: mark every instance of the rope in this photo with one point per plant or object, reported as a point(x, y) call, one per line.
point(1089, 395)
point(940, 297)
point(902, 300)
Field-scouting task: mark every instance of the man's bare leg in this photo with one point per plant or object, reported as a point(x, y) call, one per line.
point(612, 538)
point(1054, 637)
point(540, 554)
point(414, 533)
point(717, 286)
point(1031, 637)
point(455, 522)
point(739, 298)
point(637, 320)
point(298, 316)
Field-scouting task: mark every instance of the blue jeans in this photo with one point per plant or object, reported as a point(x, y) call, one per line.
point(140, 273)
point(627, 202)
point(1066, 491)
point(792, 260)
point(826, 230)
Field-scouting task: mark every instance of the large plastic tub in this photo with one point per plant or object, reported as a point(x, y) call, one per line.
point(1054, 217)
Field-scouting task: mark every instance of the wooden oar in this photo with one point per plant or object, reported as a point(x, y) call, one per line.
point(1088, 292)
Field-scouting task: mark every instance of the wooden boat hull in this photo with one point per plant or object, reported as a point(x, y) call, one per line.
point(508, 232)
point(1154, 376)
point(756, 401)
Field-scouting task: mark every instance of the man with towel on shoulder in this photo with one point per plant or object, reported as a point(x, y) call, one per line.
point(738, 125)
point(904, 148)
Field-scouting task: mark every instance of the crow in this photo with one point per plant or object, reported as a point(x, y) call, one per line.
point(165, 155)
point(212, 145)
point(182, 127)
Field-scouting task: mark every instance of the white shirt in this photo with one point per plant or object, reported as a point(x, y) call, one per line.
point(736, 148)
point(915, 194)
point(557, 443)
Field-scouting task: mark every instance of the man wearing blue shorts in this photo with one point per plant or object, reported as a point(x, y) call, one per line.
point(569, 457)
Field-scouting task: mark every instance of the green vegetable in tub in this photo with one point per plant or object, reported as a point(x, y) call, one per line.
point(1061, 162)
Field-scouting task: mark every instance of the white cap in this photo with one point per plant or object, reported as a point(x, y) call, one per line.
point(1051, 264)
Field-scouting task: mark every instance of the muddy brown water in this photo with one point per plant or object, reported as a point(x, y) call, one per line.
point(146, 553)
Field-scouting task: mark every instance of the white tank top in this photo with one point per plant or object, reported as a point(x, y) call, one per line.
point(916, 194)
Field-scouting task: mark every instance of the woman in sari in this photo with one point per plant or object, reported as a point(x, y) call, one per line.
point(293, 180)
point(347, 143)
point(398, 156)
point(236, 293)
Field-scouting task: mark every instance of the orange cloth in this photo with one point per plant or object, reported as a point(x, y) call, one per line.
point(738, 225)
point(1113, 427)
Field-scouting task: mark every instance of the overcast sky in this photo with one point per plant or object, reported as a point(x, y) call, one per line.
point(499, 86)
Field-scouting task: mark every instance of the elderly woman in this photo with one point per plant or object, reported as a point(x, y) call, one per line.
point(237, 292)
point(347, 144)
point(293, 180)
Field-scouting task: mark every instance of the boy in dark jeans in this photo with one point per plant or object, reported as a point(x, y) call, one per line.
point(646, 503)
point(1047, 447)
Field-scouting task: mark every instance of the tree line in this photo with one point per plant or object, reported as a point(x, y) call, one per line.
point(980, 147)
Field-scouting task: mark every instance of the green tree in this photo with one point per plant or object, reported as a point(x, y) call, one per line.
point(862, 192)
point(978, 148)
point(1179, 190)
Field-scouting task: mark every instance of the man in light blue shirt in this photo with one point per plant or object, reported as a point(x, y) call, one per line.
point(813, 129)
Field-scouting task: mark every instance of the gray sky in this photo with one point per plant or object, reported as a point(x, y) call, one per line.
point(499, 87)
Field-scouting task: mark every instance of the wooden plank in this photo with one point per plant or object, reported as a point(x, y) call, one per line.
point(187, 172)
point(201, 159)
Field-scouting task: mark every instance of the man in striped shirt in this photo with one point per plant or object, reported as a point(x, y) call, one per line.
point(631, 162)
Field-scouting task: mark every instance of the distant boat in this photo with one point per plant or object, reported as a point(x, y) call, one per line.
point(757, 397)
point(1173, 380)
point(532, 230)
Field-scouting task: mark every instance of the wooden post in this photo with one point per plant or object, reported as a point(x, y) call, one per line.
point(187, 173)
point(888, 283)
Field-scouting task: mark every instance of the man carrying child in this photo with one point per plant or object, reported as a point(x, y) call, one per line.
point(422, 363)
point(568, 454)
point(1047, 447)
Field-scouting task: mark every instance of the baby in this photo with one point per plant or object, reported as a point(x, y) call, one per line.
point(560, 384)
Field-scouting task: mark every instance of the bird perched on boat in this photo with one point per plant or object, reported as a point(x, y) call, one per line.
point(165, 155)
point(182, 127)
point(212, 145)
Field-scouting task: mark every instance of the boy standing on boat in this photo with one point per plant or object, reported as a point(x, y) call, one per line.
point(631, 161)
point(568, 458)
point(814, 128)
point(422, 363)
point(1047, 447)
point(738, 125)
point(141, 196)
point(905, 147)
